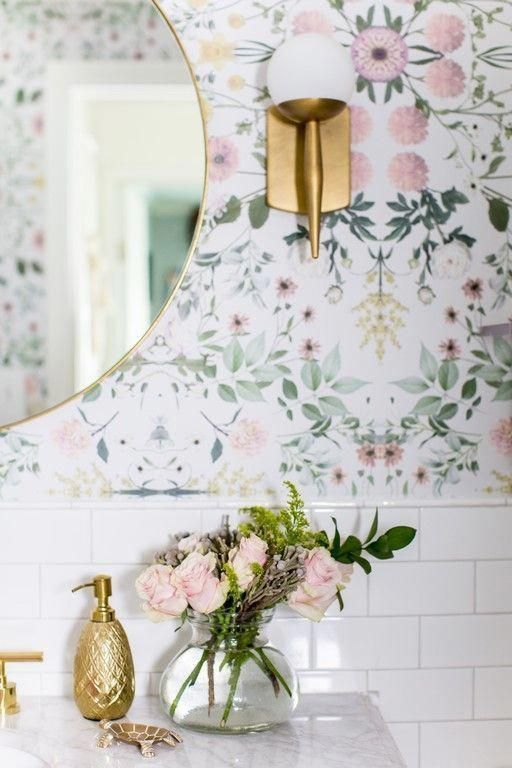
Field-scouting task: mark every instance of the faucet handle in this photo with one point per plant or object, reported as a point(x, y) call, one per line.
point(8, 701)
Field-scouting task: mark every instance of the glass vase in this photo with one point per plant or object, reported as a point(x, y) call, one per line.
point(229, 679)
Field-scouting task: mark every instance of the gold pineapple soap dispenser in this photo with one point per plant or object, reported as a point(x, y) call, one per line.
point(104, 679)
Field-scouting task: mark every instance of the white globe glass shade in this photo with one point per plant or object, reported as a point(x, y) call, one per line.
point(310, 66)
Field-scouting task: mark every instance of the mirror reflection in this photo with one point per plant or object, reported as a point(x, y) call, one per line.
point(102, 175)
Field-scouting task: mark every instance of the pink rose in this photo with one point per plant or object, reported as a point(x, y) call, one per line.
point(248, 437)
point(324, 577)
point(195, 578)
point(251, 550)
point(71, 438)
point(311, 21)
point(162, 599)
point(501, 436)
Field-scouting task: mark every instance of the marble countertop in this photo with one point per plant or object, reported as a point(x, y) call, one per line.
point(342, 730)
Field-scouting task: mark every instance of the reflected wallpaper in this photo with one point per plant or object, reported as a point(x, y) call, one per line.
point(363, 374)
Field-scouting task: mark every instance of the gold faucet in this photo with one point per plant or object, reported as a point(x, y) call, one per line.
point(8, 702)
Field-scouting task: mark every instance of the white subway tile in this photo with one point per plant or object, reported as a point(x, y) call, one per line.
point(406, 736)
point(358, 522)
point(19, 591)
point(366, 643)
point(57, 639)
point(293, 638)
point(493, 693)
point(355, 596)
point(421, 588)
point(45, 536)
point(424, 694)
point(494, 587)
point(466, 745)
point(333, 682)
point(58, 602)
point(135, 535)
point(466, 533)
point(466, 641)
point(154, 645)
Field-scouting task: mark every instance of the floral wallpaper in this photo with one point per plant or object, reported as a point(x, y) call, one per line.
point(364, 373)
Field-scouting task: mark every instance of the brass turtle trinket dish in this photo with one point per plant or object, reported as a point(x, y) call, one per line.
point(145, 736)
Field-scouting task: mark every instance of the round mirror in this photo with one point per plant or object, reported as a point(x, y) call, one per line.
point(102, 167)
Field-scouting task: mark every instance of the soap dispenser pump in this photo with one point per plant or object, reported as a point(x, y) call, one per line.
point(104, 679)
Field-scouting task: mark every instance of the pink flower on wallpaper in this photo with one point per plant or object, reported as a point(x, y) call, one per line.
point(71, 438)
point(361, 124)
point(38, 239)
point(501, 436)
point(379, 54)
point(361, 171)
point(224, 158)
point(408, 125)
point(408, 172)
point(450, 349)
point(311, 21)
point(391, 453)
point(248, 437)
point(38, 124)
point(451, 315)
point(238, 323)
point(338, 476)
point(421, 475)
point(473, 288)
point(444, 32)
point(445, 78)
point(309, 349)
point(308, 314)
point(285, 287)
point(367, 454)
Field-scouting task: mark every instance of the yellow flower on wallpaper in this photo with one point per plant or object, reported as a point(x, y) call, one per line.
point(380, 319)
point(218, 52)
point(197, 3)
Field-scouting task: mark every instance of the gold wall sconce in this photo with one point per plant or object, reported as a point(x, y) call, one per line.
point(310, 78)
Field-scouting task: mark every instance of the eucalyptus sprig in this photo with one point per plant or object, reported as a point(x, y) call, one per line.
point(381, 547)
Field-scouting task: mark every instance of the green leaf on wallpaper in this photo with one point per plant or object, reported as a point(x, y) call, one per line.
point(233, 355)
point(492, 374)
point(311, 411)
point(290, 389)
point(311, 375)
point(469, 389)
point(347, 385)
point(504, 391)
point(331, 364)
point(92, 394)
point(217, 449)
point(102, 450)
point(448, 375)
point(255, 349)
point(412, 384)
point(427, 406)
point(503, 351)
point(428, 364)
point(227, 393)
point(499, 214)
point(447, 412)
point(248, 390)
point(266, 374)
point(331, 406)
point(258, 212)
point(232, 211)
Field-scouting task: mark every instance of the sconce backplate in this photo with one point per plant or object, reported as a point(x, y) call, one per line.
point(285, 155)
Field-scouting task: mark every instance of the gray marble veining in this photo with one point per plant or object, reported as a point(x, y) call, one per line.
point(342, 730)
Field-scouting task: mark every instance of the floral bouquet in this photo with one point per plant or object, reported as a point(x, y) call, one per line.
point(226, 585)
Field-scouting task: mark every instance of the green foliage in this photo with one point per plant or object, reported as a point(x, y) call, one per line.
point(286, 527)
point(381, 547)
point(234, 587)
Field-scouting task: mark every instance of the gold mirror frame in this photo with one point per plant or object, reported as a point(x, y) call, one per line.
point(188, 259)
